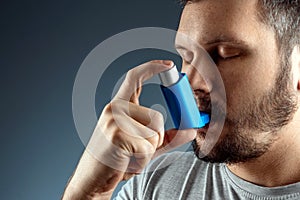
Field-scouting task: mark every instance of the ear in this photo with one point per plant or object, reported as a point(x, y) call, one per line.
point(295, 58)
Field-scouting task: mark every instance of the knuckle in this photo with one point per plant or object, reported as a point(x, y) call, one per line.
point(108, 108)
point(109, 116)
point(154, 141)
point(146, 148)
point(131, 74)
point(157, 118)
point(116, 137)
point(114, 107)
point(109, 123)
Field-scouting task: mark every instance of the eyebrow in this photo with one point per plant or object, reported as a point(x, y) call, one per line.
point(223, 39)
point(216, 40)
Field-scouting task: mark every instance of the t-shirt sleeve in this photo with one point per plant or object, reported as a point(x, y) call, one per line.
point(131, 190)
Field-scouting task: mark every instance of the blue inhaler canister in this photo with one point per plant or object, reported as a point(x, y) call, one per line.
point(180, 100)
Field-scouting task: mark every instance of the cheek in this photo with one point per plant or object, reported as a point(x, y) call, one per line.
point(246, 80)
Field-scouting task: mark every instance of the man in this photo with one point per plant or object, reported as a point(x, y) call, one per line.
point(255, 45)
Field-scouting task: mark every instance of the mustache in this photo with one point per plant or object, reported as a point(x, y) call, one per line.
point(203, 100)
point(217, 108)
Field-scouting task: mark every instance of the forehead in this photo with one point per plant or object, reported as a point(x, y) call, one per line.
point(210, 19)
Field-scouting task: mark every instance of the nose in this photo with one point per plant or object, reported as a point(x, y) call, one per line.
point(197, 63)
point(197, 78)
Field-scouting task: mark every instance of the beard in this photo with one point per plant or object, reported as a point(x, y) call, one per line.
point(253, 130)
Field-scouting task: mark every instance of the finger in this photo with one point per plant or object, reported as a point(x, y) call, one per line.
point(134, 129)
point(175, 138)
point(141, 153)
point(130, 89)
point(140, 116)
point(117, 149)
point(138, 163)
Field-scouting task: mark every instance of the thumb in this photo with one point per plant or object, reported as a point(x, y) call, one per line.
point(174, 138)
point(131, 87)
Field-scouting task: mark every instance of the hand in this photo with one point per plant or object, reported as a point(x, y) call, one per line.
point(125, 139)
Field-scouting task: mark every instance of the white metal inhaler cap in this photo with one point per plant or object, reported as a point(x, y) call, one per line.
point(169, 77)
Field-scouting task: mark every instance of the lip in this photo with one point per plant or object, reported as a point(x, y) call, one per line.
point(201, 132)
point(216, 110)
point(203, 129)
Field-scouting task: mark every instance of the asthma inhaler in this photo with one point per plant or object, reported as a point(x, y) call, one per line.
point(180, 100)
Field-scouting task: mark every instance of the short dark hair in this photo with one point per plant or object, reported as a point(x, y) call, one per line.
point(283, 16)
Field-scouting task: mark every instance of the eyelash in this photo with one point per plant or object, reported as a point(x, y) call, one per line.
point(188, 57)
point(215, 55)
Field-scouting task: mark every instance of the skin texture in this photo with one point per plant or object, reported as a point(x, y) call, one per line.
point(129, 136)
point(247, 58)
point(259, 97)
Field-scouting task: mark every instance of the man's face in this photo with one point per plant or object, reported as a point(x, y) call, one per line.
point(246, 54)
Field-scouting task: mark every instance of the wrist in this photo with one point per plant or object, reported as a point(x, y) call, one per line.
point(74, 193)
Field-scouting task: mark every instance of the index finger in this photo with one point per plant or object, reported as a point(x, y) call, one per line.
point(131, 88)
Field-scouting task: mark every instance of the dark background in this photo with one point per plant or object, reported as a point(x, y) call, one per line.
point(43, 44)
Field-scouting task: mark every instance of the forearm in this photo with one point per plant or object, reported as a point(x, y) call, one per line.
point(125, 138)
point(92, 180)
point(72, 193)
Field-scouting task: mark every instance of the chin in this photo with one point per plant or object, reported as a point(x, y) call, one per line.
point(233, 145)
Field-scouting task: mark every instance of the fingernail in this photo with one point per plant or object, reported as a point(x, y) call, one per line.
point(168, 62)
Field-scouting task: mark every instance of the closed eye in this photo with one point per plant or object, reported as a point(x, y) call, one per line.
point(228, 52)
point(225, 53)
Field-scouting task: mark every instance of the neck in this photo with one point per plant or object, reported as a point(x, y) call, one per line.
point(277, 167)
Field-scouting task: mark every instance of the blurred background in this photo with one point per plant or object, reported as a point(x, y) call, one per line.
point(43, 44)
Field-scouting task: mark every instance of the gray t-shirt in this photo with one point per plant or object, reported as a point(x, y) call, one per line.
point(180, 175)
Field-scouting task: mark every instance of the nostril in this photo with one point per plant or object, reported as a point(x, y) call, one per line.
point(199, 82)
